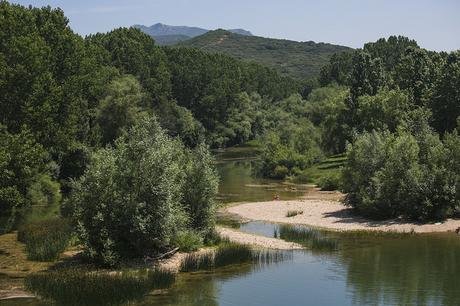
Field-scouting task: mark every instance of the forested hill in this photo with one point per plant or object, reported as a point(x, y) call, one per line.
point(170, 35)
point(295, 59)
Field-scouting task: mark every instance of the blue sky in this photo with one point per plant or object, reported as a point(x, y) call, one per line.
point(435, 24)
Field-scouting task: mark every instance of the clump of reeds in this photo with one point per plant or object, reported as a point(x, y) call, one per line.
point(376, 234)
point(45, 240)
point(293, 213)
point(308, 237)
point(229, 253)
point(84, 287)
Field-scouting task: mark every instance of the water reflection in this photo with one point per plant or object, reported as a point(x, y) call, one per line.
point(418, 270)
point(238, 184)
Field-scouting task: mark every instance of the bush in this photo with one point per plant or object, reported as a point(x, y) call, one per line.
point(290, 149)
point(412, 174)
point(330, 182)
point(188, 241)
point(45, 240)
point(136, 197)
point(82, 287)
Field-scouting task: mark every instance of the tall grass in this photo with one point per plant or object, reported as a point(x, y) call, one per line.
point(229, 254)
point(84, 287)
point(46, 239)
point(310, 238)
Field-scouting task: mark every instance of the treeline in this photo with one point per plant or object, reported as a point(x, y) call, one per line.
point(394, 108)
point(73, 109)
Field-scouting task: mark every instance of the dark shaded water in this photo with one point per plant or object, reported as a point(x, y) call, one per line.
point(363, 270)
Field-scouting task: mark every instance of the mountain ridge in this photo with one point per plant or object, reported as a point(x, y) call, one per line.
point(168, 34)
point(300, 60)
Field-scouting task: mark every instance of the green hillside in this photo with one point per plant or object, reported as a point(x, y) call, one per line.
point(291, 58)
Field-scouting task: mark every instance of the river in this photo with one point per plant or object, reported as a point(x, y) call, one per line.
point(363, 270)
point(375, 270)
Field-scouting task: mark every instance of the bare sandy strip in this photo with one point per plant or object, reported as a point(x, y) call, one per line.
point(256, 240)
point(330, 214)
point(173, 263)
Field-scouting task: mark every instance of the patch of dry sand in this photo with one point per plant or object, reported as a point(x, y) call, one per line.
point(330, 214)
point(256, 240)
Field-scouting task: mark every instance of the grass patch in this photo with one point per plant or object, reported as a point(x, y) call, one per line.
point(226, 254)
point(45, 240)
point(376, 234)
point(310, 238)
point(83, 287)
point(329, 167)
point(293, 213)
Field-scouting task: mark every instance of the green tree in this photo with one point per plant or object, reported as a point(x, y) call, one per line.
point(122, 106)
point(22, 162)
point(130, 202)
point(445, 104)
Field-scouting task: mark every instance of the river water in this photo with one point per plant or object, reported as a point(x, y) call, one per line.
point(367, 270)
point(363, 270)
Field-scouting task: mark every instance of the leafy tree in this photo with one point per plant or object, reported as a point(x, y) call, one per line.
point(389, 175)
point(417, 73)
point(367, 75)
point(133, 52)
point(121, 108)
point(390, 50)
point(22, 162)
point(131, 201)
point(445, 104)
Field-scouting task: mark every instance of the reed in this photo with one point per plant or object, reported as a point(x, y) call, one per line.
point(308, 237)
point(45, 240)
point(229, 253)
point(84, 287)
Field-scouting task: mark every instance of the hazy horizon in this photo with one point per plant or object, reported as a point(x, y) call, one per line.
point(434, 24)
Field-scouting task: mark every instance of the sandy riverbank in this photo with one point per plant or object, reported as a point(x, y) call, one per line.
point(330, 214)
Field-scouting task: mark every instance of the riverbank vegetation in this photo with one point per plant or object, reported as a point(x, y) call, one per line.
point(112, 132)
point(45, 240)
point(229, 253)
point(393, 108)
point(74, 286)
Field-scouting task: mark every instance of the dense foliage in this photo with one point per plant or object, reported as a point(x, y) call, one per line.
point(64, 97)
point(301, 60)
point(415, 175)
point(138, 195)
point(77, 117)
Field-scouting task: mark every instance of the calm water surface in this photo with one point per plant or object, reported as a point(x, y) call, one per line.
point(400, 270)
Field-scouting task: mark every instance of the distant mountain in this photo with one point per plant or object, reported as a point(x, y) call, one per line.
point(168, 40)
point(168, 35)
point(296, 59)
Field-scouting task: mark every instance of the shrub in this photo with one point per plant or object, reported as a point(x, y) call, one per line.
point(188, 241)
point(82, 287)
point(330, 182)
point(280, 172)
point(45, 240)
point(409, 173)
point(136, 197)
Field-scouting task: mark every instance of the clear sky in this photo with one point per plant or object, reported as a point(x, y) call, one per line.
point(435, 24)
